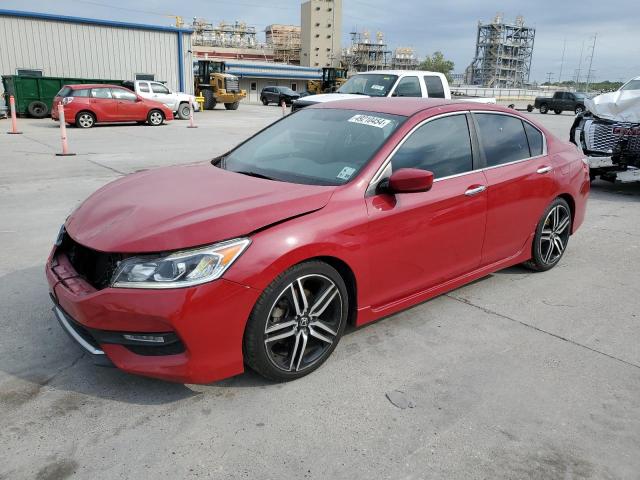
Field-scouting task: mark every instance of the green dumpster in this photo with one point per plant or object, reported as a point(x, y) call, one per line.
point(34, 95)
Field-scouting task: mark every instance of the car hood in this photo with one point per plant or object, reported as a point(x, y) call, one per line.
point(179, 207)
point(622, 106)
point(331, 97)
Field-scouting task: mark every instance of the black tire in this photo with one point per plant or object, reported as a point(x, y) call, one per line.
point(544, 108)
point(280, 304)
point(264, 101)
point(85, 120)
point(579, 109)
point(232, 106)
point(546, 253)
point(529, 108)
point(512, 106)
point(557, 112)
point(155, 118)
point(184, 111)
point(209, 100)
point(38, 109)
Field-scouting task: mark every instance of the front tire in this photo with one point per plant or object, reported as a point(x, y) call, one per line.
point(155, 118)
point(544, 109)
point(232, 106)
point(579, 109)
point(184, 111)
point(264, 100)
point(297, 322)
point(552, 236)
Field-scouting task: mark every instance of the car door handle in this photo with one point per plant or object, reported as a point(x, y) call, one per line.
point(543, 170)
point(475, 190)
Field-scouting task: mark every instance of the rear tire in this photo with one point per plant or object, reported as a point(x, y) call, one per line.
point(38, 109)
point(85, 120)
point(544, 109)
point(552, 236)
point(232, 106)
point(184, 111)
point(209, 100)
point(264, 100)
point(284, 338)
point(155, 118)
point(529, 108)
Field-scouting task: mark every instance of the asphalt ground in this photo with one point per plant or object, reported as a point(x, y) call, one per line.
point(519, 375)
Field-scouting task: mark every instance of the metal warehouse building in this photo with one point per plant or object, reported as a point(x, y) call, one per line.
point(61, 46)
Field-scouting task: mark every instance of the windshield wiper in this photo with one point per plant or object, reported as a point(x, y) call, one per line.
point(257, 175)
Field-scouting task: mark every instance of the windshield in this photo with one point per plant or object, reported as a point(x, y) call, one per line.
point(313, 146)
point(631, 85)
point(374, 85)
point(286, 91)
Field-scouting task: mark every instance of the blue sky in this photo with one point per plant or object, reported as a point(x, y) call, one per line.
point(448, 26)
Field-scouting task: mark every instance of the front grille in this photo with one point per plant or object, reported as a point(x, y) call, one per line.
point(95, 267)
point(232, 84)
point(599, 136)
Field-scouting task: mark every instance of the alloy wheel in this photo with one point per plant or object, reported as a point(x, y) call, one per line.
point(555, 234)
point(155, 118)
point(303, 323)
point(85, 120)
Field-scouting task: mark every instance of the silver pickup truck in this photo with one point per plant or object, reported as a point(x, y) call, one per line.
point(176, 101)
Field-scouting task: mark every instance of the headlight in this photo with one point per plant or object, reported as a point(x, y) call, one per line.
point(179, 269)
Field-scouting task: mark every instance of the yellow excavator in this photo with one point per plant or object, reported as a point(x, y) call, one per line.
point(216, 86)
point(332, 79)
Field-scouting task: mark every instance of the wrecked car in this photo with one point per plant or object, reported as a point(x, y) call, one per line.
point(608, 133)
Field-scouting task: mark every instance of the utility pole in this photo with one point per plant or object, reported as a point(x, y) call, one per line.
point(549, 77)
point(593, 49)
point(579, 67)
point(564, 48)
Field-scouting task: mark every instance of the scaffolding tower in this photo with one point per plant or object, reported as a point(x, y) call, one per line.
point(285, 42)
point(503, 54)
point(233, 35)
point(366, 54)
point(404, 58)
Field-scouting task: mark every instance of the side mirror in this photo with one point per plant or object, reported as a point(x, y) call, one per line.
point(409, 180)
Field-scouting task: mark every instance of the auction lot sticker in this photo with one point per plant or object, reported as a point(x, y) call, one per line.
point(370, 120)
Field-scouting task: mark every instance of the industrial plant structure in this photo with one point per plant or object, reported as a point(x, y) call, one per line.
point(404, 58)
point(321, 24)
point(284, 40)
point(503, 54)
point(366, 54)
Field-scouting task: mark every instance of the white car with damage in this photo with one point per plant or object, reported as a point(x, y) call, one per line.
point(608, 133)
point(178, 102)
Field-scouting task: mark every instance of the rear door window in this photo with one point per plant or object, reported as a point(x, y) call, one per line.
point(435, 89)
point(441, 146)
point(101, 93)
point(534, 136)
point(122, 94)
point(502, 137)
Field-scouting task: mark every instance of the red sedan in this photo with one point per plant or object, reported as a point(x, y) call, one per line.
point(339, 214)
point(86, 105)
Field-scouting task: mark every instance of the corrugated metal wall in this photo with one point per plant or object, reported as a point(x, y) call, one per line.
point(92, 51)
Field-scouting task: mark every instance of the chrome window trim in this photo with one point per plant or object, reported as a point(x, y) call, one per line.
point(380, 172)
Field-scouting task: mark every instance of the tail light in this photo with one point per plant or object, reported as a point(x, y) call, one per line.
point(67, 100)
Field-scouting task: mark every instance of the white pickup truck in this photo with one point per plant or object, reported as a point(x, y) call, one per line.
point(176, 101)
point(389, 83)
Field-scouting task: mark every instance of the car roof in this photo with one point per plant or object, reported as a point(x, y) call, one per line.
point(405, 106)
point(93, 85)
point(400, 72)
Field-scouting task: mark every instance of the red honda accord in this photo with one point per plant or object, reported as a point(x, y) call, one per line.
point(85, 105)
point(339, 214)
